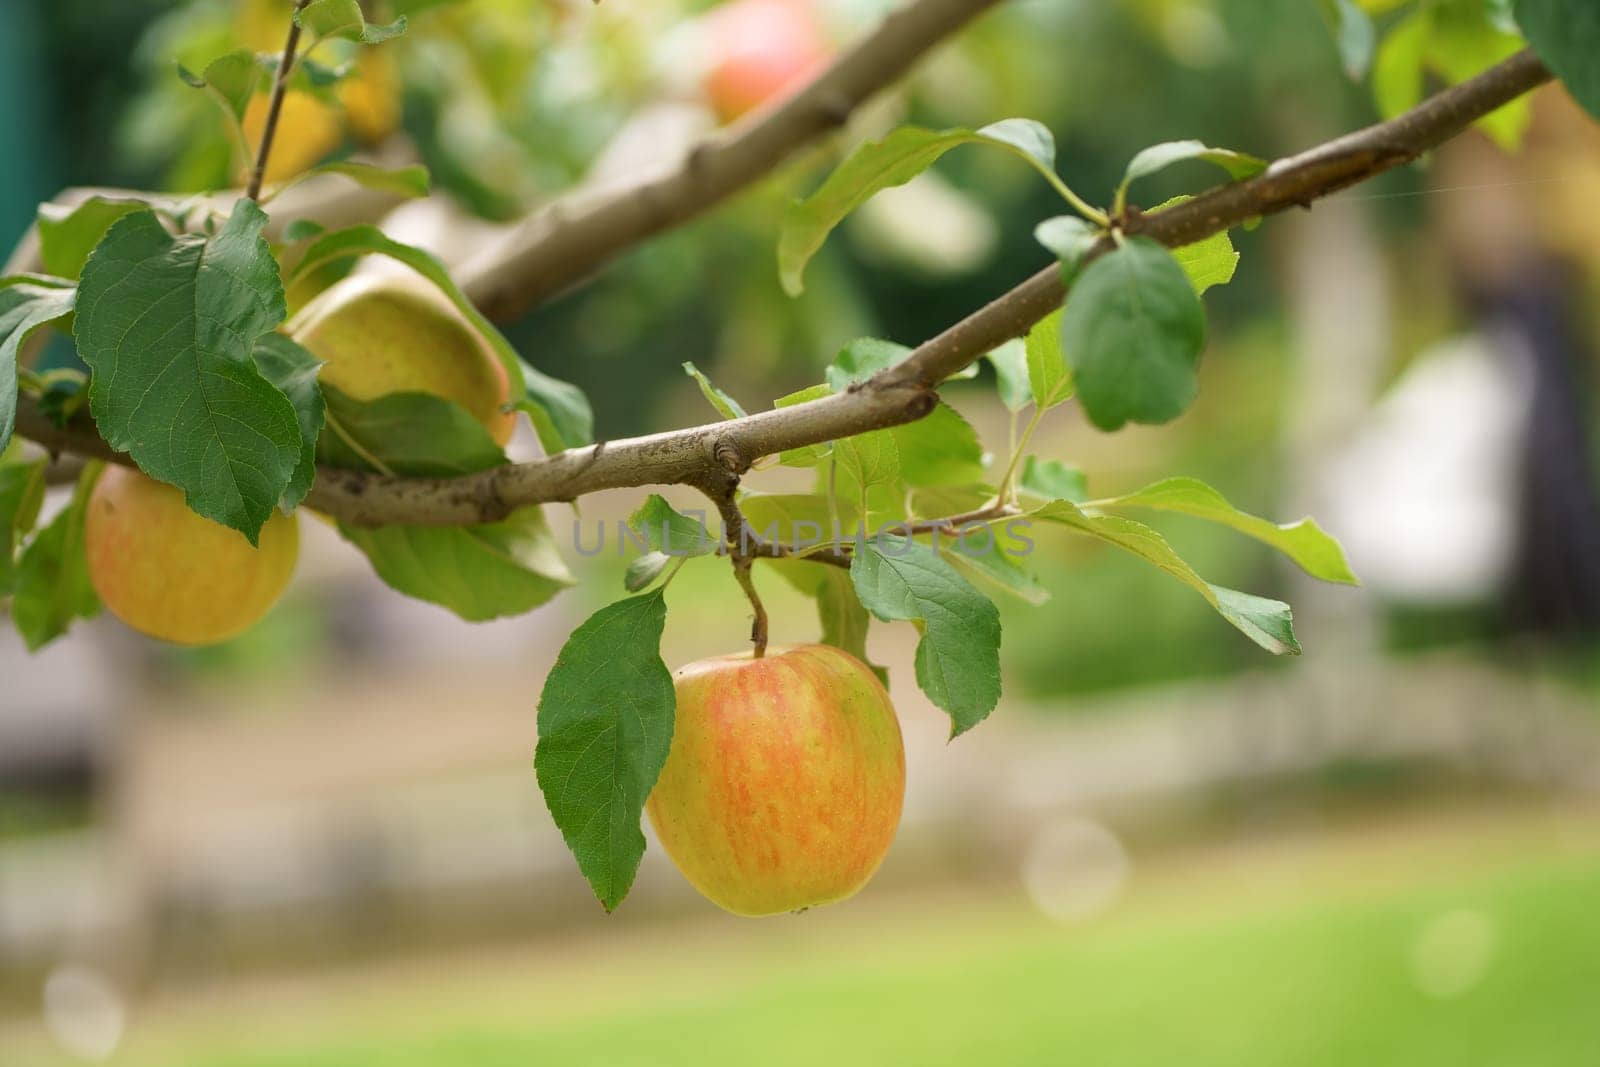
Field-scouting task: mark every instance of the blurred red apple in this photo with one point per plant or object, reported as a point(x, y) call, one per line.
point(785, 778)
point(759, 49)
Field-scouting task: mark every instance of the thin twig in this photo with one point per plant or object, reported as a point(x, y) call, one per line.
point(280, 87)
point(740, 539)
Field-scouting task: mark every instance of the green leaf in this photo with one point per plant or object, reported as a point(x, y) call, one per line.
point(26, 303)
point(860, 360)
point(1068, 238)
point(797, 521)
point(343, 18)
point(22, 485)
point(1463, 41)
point(958, 658)
point(1051, 479)
point(981, 552)
point(411, 181)
point(1353, 31)
point(1209, 262)
point(51, 586)
point(605, 728)
point(866, 356)
point(1133, 329)
point(68, 234)
point(806, 455)
point(1456, 39)
point(866, 460)
point(669, 531)
point(294, 371)
point(1266, 622)
point(726, 405)
point(168, 325)
point(1566, 34)
point(1318, 554)
point(412, 434)
point(1160, 157)
point(879, 165)
point(1397, 72)
point(233, 78)
point(560, 412)
point(941, 448)
point(1048, 375)
point(303, 230)
point(491, 571)
point(1010, 362)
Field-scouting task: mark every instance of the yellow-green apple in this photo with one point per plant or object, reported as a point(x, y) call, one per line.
point(172, 574)
point(394, 333)
point(758, 50)
point(783, 786)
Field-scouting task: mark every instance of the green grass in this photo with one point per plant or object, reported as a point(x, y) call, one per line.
point(1216, 980)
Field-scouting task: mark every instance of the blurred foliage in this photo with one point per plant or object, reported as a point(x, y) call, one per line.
point(509, 102)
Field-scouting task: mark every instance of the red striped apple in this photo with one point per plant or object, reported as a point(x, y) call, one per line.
point(783, 786)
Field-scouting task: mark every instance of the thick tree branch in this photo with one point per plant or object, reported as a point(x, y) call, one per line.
point(565, 242)
point(900, 394)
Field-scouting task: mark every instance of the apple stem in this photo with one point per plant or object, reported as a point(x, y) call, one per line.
point(740, 540)
point(758, 624)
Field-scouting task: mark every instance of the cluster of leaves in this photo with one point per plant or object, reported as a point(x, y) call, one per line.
point(180, 317)
point(1455, 39)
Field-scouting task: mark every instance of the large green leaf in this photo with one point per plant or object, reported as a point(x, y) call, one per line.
point(958, 658)
point(1133, 330)
point(26, 303)
point(294, 371)
point(1266, 622)
point(879, 165)
point(1566, 34)
point(51, 586)
point(1318, 554)
point(169, 325)
point(559, 410)
point(605, 728)
point(484, 572)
